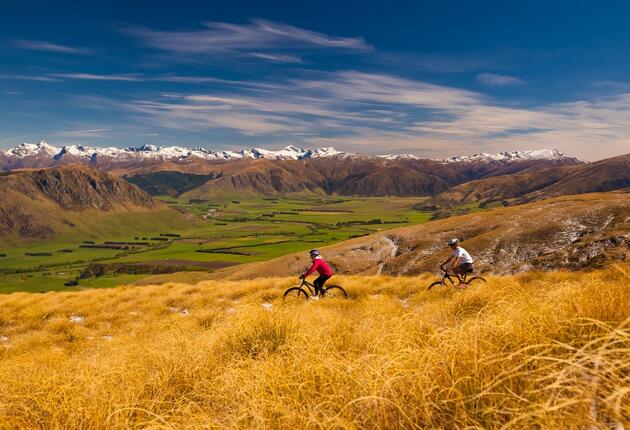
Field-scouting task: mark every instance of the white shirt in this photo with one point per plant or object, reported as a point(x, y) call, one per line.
point(461, 256)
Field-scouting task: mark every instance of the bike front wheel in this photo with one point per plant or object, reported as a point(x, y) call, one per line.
point(435, 284)
point(335, 291)
point(476, 279)
point(295, 295)
point(445, 282)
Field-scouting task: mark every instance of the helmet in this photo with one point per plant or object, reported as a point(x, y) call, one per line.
point(453, 242)
point(314, 252)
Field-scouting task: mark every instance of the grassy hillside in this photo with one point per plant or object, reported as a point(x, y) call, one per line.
point(531, 351)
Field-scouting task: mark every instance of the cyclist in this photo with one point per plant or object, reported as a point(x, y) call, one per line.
point(460, 259)
point(322, 268)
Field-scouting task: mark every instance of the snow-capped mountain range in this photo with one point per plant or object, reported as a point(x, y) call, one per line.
point(538, 154)
point(164, 152)
point(151, 152)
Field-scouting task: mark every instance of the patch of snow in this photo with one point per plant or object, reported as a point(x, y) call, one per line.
point(76, 318)
point(267, 306)
point(399, 157)
point(107, 337)
point(4, 339)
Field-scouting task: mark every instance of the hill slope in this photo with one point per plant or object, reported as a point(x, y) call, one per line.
point(535, 184)
point(568, 232)
point(40, 203)
point(545, 351)
point(359, 176)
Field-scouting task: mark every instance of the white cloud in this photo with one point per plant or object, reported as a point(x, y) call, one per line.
point(40, 45)
point(496, 80)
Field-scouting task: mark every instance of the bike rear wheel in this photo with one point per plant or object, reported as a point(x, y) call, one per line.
point(335, 291)
point(295, 295)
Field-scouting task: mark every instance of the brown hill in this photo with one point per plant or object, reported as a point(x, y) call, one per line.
point(605, 175)
point(259, 177)
point(535, 184)
point(575, 232)
point(37, 203)
point(363, 176)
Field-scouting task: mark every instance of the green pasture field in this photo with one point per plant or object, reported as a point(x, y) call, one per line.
point(236, 231)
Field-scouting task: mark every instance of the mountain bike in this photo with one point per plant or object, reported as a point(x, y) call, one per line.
point(306, 290)
point(449, 278)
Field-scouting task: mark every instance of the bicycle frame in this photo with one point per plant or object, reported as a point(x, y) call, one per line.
point(449, 273)
point(309, 286)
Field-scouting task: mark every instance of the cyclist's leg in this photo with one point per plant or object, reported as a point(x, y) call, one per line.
point(457, 271)
point(319, 284)
point(467, 269)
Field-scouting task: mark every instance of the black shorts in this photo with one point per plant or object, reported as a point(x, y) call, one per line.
point(465, 268)
point(320, 281)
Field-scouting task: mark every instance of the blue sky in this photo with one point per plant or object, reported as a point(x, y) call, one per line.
point(428, 78)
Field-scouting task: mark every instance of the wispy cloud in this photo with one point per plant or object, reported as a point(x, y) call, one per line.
point(98, 77)
point(384, 113)
point(90, 133)
point(262, 39)
point(133, 77)
point(44, 78)
point(496, 80)
point(277, 58)
point(40, 45)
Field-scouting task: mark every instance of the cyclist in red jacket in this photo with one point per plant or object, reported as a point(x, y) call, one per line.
point(322, 268)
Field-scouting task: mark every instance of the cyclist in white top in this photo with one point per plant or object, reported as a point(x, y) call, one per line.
point(460, 259)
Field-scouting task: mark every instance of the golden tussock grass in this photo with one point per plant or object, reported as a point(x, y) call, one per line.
point(539, 350)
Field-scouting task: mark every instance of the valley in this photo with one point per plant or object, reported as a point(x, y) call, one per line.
point(196, 236)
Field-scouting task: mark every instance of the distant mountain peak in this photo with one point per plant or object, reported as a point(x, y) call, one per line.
point(32, 149)
point(537, 154)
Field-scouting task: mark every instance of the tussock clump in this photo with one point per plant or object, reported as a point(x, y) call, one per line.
point(537, 350)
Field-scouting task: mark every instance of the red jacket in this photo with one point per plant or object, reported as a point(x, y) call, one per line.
point(321, 267)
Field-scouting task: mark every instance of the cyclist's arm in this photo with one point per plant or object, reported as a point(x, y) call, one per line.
point(312, 269)
point(447, 261)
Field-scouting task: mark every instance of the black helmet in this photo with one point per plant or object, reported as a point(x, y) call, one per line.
point(313, 252)
point(453, 242)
